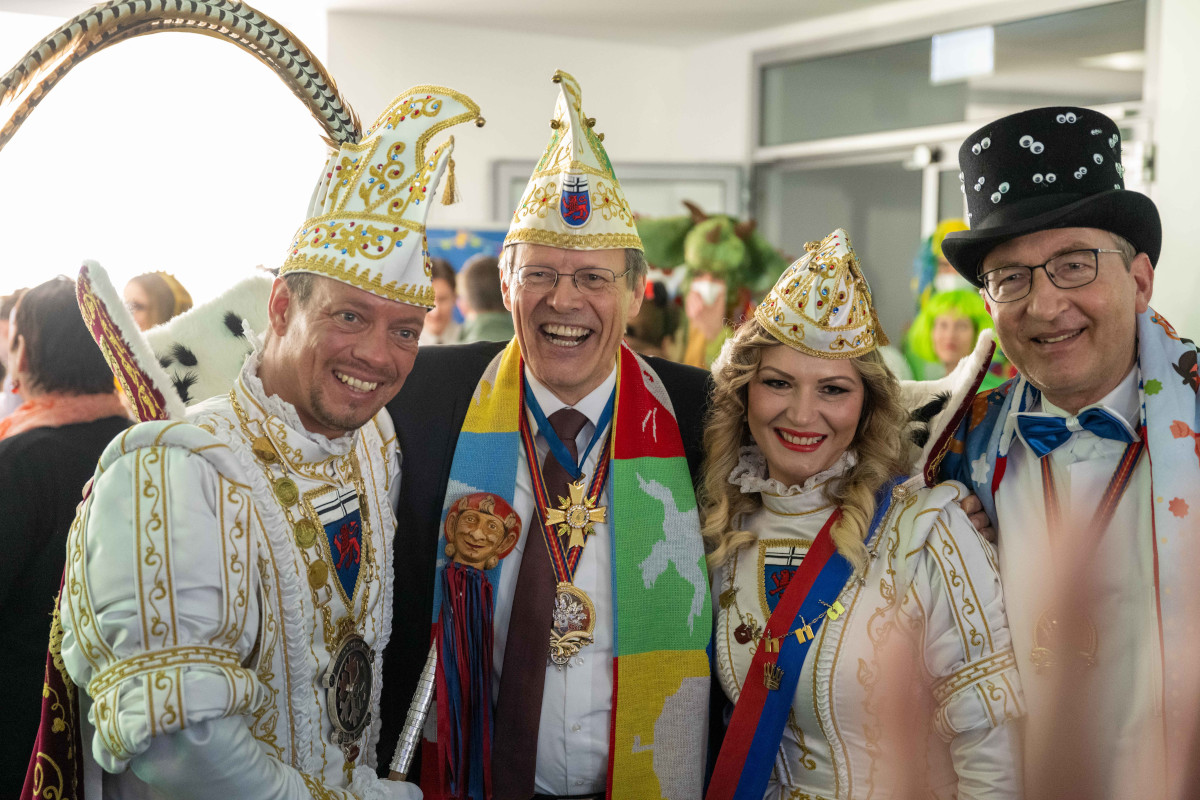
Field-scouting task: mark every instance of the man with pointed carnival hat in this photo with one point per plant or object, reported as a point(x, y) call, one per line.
point(602, 612)
point(1086, 461)
point(229, 576)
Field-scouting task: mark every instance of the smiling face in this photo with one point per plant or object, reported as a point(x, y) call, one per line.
point(953, 338)
point(1075, 345)
point(339, 355)
point(570, 339)
point(803, 411)
point(479, 537)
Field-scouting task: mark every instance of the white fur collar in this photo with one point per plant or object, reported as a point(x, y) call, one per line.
point(959, 387)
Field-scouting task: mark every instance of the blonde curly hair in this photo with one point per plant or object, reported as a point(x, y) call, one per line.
point(878, 443)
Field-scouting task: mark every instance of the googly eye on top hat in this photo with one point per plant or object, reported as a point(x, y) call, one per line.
point(1057, 167)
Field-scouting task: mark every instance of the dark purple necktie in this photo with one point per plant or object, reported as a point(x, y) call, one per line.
point(523, 676)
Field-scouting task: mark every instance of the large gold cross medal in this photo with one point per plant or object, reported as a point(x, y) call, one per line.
point(576, 514)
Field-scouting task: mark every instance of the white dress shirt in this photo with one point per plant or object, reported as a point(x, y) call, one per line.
point(572, 748)
point(1124, 683)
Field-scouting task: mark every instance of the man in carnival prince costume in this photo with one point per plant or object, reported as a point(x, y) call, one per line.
point(228, 586)
point(597, 671)
point(1086, 461)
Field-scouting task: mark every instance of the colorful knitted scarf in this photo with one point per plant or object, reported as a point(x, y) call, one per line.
point(663, 614)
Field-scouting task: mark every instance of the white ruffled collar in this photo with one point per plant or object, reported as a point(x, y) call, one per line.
point(750, 475)
point(275, 406)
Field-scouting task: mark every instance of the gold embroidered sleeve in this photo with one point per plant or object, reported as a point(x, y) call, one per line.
point(967, 648)
point(160, 608)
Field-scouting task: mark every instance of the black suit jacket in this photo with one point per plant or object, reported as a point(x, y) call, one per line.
point(428, 414)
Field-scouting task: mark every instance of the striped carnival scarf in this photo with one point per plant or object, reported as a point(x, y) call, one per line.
point(663, 614)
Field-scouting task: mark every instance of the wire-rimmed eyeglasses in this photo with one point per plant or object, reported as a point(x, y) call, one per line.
point(589, 279)
point(1066, 271)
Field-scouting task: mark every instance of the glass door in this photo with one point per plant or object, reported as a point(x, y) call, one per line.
point(878, 203)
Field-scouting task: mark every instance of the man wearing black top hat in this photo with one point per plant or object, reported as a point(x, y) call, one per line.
point(1087, 461)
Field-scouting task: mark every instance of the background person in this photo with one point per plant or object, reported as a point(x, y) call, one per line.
point(440, 327)
point(945, 331)
point(155, 297)
point(932, 273)
point(482, 302)
point(48, 450)
point(804, 457)
point(652, 331)
point(9, 397)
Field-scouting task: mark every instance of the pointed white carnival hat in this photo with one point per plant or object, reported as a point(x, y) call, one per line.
point(821, 304)
point(366, 220)
point(573, 200)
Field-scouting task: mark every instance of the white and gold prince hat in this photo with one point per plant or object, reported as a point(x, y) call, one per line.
point(366, 219)
point(573, 199)
point(821, 304)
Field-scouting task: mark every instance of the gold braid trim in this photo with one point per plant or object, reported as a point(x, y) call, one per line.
point(320, 792)
point(971, 674)
point(574, 241)
point(56, 640)
point(336, 268)
point(471, 113)
point(145, 663)
point(49, 780)
point(796, 344)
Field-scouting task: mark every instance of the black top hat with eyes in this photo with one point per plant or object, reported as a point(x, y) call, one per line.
point(1047, 168)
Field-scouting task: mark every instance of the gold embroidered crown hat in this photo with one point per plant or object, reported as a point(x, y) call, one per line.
point(573, 200)
point(821, 304)
point(366, 219)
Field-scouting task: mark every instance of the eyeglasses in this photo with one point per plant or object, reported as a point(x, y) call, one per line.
point(589, 280)
point(1066, 271)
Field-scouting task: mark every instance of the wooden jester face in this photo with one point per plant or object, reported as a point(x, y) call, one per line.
point(480, 530)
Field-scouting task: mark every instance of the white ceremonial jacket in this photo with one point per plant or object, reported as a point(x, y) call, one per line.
point(202, 601)
point(875, 713)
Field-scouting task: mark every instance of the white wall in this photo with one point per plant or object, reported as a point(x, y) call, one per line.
point(1177, 165)
point(636, 92)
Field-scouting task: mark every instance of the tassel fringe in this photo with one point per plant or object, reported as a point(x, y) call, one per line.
point(450, 194)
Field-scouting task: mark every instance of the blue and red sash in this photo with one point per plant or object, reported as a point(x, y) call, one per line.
point(752, 739)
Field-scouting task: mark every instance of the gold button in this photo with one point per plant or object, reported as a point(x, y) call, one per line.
point(264, 450)
point(286, 491)
point(318, 573)
point(306, 533)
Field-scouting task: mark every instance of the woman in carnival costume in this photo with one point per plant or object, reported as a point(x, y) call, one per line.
point(861, 628)
point(945, 331)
